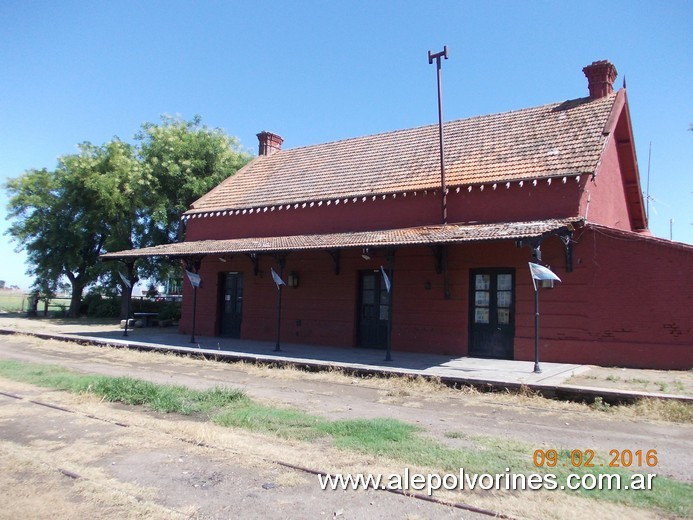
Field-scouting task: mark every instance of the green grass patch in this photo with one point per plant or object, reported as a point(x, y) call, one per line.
point(11, 301)
point(284, 423)
point(126, 390)
point(638, 380)
point(389, 438)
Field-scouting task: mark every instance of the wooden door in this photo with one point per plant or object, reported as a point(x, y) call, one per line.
point(231, 305)
point(492, 313)
point(374, 310)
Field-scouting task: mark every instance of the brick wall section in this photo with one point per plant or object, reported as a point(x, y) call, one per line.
point(626, 303)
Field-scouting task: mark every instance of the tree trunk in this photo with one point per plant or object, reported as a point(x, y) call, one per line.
point(77, 290)
point(75, 299)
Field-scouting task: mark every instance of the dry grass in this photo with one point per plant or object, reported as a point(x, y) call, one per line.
point(258, 450)
point(669, 411)
point(677, 382)
point(394, 389)
point(39, 488)
point(101, 494)
point(556, 506)
point(291, 479)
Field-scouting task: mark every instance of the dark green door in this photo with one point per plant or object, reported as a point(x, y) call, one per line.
point(231, 305)
point(492, 313)
point(374, 310)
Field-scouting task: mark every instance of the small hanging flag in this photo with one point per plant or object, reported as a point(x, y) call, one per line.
point(277, 279)
point(125, 280)
point(539, 272)
point(195, 279)
point(385, 278)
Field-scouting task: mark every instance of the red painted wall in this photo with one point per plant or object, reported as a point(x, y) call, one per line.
point(627, 302)
point(516, 203)
point(607, 202)
point(613, 196)
point(323, 309)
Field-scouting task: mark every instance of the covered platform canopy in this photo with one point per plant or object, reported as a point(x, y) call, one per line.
point(414, 236)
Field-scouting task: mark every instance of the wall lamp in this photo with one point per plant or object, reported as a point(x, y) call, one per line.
point(366, 255)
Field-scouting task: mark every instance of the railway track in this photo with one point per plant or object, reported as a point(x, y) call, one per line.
point(298, 468)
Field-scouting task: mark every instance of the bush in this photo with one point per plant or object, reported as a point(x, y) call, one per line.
point(95, 305)
point(170, 311)
point(88, 301)
point(139, 304)
point(61, 312)
point(105, 308)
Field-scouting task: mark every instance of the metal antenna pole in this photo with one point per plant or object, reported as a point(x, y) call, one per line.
point(647, 195)
point(437, 56)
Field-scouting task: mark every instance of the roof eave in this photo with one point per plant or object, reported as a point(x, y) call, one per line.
point(419, 236)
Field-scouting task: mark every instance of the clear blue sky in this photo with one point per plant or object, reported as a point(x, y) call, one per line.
point(316, 71)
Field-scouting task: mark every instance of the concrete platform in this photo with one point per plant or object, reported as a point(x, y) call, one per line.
point(485, 374)
point(366, 360)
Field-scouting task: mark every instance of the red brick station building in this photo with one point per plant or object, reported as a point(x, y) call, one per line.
point(557, 184)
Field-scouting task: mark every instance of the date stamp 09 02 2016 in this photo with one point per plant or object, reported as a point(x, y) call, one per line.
point(585, 458)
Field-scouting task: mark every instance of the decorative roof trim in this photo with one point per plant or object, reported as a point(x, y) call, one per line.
point(374, 197)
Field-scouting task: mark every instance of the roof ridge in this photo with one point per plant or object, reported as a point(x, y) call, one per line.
point(451, 121)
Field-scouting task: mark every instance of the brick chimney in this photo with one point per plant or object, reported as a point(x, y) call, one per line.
point(269, 143)
point(600, 78)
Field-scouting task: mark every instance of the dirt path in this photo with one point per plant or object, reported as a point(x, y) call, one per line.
point(168, 469)
point(61, 465)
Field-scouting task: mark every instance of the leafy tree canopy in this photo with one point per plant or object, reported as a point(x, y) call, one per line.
point(186, 159)
point(113, 197)
point(63, 218)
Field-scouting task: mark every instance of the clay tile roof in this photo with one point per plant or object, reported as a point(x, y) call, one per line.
point(553, 140)
point(424, 235)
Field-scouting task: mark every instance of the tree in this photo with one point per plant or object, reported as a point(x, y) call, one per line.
point(114, 197)
point(185, 159)
point(180, 161)
point(64, 218)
